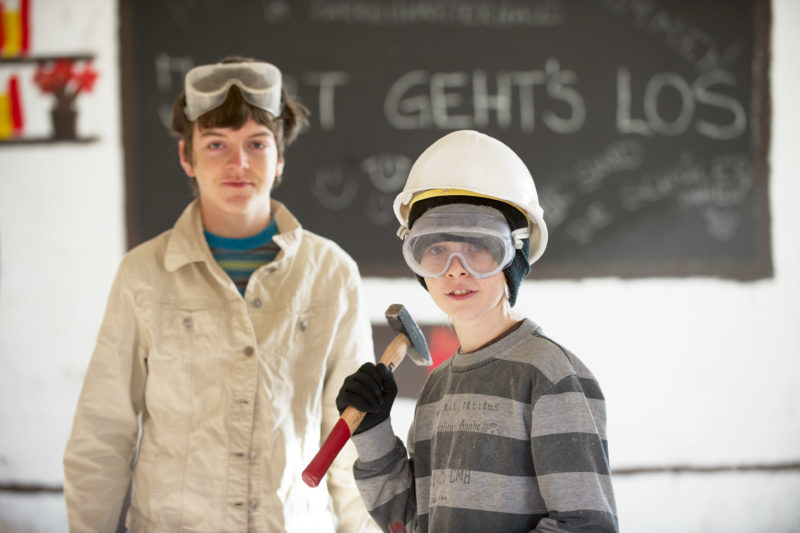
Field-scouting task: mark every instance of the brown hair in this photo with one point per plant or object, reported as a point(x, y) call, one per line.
point(234, 112)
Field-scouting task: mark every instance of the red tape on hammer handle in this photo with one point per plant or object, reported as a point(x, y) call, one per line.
point(350, 420)
point(321, 462)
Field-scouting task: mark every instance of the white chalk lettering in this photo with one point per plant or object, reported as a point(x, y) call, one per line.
point(694, 45)
point(451, 100)
point(387, 172)
point(483, 101)
point(705, 96)
point(689, 95)
point(558, 88)
point(170, 71)
point(652, 188)
point(626, 154)
point(596, 217)
point(333, 189)
point(442, 99)
point(327, 83)
point(467, 13)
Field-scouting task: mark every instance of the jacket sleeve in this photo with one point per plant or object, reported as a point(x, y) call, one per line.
point(384, 474)
point(352, 347)
point(105, 428)
point(570, 454)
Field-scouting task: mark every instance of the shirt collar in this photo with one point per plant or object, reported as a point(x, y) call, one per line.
point(187, 243)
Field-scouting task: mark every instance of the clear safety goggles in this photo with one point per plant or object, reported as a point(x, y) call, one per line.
point(207, 86)
point(479, 236)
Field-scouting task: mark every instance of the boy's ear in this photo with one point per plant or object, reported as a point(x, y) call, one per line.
point(185, 163)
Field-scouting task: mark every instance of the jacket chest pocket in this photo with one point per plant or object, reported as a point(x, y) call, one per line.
point(186, 343)
point(295, 345)
point(186, 330)
point(298, 336)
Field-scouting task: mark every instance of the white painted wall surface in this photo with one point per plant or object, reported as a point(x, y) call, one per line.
point(696, 372)
point(61, 239)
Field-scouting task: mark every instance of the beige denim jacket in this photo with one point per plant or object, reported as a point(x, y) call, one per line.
point(234, 394)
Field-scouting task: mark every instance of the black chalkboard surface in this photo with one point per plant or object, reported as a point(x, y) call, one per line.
point(645, 123)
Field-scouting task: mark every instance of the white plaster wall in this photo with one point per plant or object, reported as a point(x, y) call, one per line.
point(697, 372)
point(61, 238)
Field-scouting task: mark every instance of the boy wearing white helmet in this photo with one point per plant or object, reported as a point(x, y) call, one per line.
point(509, 433)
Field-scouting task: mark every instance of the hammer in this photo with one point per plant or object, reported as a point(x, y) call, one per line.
point(409, 340)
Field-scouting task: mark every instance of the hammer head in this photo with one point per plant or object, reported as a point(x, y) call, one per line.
point(401, 322)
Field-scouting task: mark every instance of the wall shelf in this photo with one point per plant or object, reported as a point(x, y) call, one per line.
point(45, 140)
point(13, 61)
point(44, 58)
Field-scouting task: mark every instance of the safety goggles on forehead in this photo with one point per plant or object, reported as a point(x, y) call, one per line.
point(207, 86)
point(479, 236)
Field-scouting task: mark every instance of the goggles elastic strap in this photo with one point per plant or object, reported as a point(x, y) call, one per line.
point(519, 235)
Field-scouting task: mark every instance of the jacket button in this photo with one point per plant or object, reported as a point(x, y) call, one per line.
point(188, 323)
point(257, 302)
point(249, 351)
point(253, 456)
point(273, 268)
point(302, 325)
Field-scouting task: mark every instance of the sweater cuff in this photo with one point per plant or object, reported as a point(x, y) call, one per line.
point(375, 442)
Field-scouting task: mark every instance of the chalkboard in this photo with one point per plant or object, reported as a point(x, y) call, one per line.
point(645, 123)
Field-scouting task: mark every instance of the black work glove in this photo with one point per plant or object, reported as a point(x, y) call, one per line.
point(371, 389)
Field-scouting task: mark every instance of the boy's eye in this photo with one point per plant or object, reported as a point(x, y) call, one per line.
point(477, 248)
point(436, 249)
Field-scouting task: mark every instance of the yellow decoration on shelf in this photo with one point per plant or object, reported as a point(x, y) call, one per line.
point(12, 29)
point(6, 123)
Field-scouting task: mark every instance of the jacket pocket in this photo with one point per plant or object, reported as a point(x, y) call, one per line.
point(184, 333)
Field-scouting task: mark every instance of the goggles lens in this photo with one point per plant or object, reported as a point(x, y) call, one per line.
point(478, 236)
point(207, 86)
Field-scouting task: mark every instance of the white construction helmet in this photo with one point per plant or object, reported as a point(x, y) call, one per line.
point(470, 163)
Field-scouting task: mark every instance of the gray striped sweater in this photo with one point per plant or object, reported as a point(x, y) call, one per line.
point(510, 438)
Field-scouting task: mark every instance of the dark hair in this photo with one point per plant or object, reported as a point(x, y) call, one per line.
point(234, 112)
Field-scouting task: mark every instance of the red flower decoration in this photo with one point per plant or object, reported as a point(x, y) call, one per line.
point(65, 82)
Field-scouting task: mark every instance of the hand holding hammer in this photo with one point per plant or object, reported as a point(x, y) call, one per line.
point(409, 340)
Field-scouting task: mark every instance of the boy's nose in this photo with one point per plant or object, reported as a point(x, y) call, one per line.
point(456, 268)
point(239, 158)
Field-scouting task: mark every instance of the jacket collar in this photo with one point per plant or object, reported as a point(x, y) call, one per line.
point(289, 230)
point(187, 244)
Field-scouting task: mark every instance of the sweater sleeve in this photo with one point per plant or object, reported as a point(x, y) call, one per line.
point(570, 454)
point(384, 475)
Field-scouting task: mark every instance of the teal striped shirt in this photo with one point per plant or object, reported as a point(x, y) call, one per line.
point(239, 258)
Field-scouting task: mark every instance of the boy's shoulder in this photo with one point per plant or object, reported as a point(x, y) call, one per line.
point(325, 245)
point(326, 261)
point(147, 255)
point(311, 246)
point(545, 355)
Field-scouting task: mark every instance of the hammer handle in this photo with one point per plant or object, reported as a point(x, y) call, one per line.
point(350, 419)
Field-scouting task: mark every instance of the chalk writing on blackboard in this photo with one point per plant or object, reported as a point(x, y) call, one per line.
point(420, 99)
point(704, 91)
point(465, 13)
point(644, 123)
point(695, 45)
